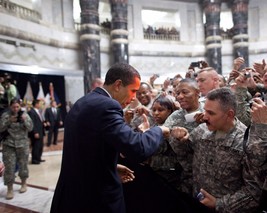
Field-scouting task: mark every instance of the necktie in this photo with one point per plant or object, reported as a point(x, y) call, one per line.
point(40, 116)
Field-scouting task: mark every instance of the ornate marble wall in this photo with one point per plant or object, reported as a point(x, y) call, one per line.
point(54, 43)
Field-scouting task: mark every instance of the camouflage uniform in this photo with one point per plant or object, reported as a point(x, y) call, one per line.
point(256, 158)
point(138, 119)
point(218, 167)
point(183, 155)
point(15, 146)
point(164, 163)
point(243, 109)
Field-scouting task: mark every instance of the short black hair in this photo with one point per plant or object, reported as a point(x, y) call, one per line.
point(34, 102)
point(191, 82)
point(125, 72)
point(225, 96)
point(15, 101)
point(165, 101)
point(149, 87)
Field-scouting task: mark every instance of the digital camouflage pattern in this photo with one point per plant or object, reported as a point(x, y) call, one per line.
point(243, 109)
point(15, 146)
point(183, 155)
point(218, 168)
point(18, 131)
point(256, 157)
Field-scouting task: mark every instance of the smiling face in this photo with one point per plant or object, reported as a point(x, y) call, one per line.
point(187, 96)
point(144, 95)
point(125, 94)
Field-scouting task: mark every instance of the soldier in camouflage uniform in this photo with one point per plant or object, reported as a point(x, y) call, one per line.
point(164, 160)
point(243, 97)
point(256, 152)
point(218, 156)
point(187, 94)
point(15, 145)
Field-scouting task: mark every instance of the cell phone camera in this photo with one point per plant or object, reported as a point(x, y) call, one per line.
point(19, 119)
point(195, 64)
point(200, 196)
point(247, 75)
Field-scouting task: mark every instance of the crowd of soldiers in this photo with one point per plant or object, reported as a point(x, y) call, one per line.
point(222, 156)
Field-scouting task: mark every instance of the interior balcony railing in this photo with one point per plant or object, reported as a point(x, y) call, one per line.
point(19, 11)
point(165, 37)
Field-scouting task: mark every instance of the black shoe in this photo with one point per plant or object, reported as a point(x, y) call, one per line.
point(35, 162)
point(42, 160)
point(54, 143)
point(48, 145)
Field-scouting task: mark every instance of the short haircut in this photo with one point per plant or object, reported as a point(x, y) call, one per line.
point(165, 101)
point(148, 86)
point(226, 98)
point(191, 82)
point(121, 71)
point(208, 69)
point(34, 102)
point(15, 101)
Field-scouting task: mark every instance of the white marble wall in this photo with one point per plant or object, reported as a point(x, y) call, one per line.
point(163, 57)
point(74, 86)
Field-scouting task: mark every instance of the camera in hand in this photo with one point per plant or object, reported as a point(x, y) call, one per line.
point(195, 64)
point(247, 75)
point(19, 119)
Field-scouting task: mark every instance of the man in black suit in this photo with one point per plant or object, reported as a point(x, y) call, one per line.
point(37, 134)
point(54, 121)
point(95, 135)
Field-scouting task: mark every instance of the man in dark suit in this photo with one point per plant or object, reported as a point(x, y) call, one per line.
point(95, 135)
point(54, 121)
point(37, 134)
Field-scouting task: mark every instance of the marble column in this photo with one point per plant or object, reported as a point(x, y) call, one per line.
point(90, 41)
point(212, 10)
point(240, 29)
point(119, 31)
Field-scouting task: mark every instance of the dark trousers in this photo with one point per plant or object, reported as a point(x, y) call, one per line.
point(156, 195)
point(263, 203)
point(52, 132)
point(37, 149)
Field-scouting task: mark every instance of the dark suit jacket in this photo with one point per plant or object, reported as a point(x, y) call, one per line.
point(95, 134)
point(49, 116)
point(37, 124)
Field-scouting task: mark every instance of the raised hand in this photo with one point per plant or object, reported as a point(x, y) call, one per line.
point(145, 125)
point(238, 62)
point(259, 111)
point(261, 68)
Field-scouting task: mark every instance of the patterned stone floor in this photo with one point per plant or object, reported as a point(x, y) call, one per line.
point(41, 183)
